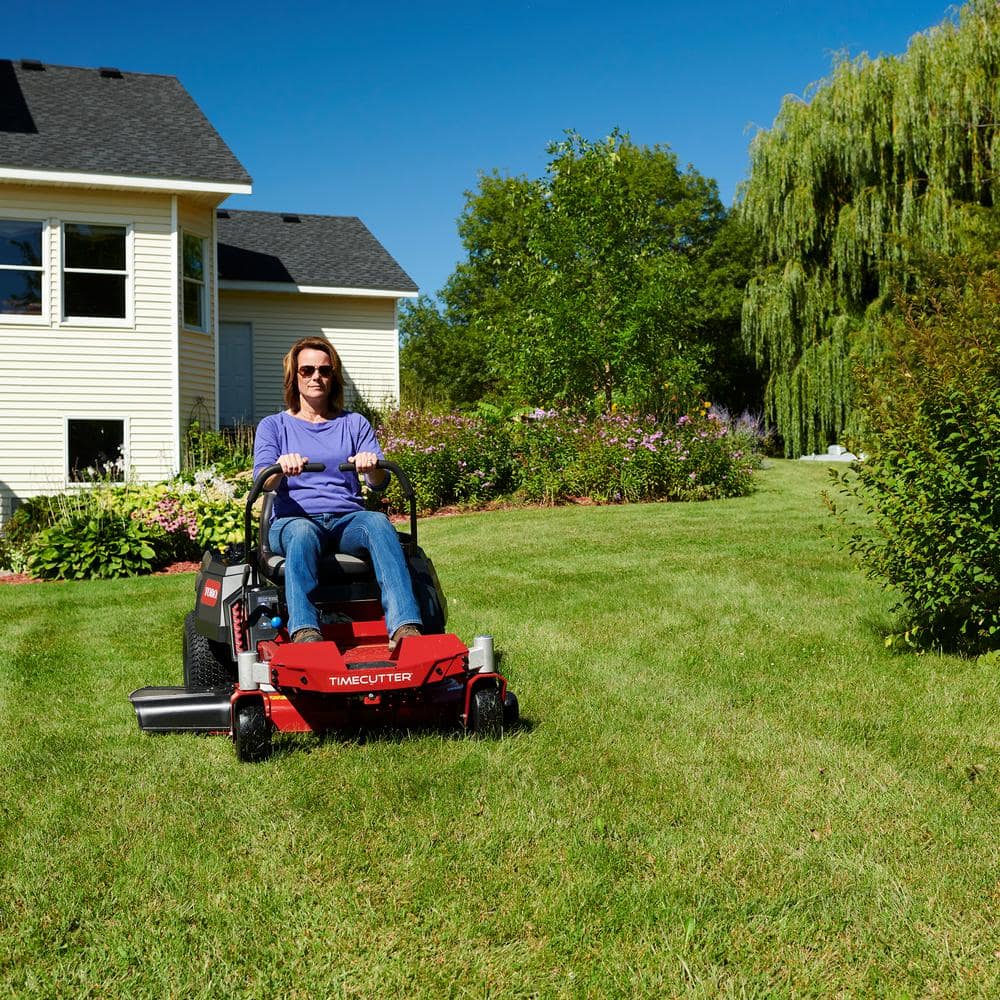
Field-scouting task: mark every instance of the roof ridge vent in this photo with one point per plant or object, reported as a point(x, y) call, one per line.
point(111, 73)
point(290, 218)
point(36, 65)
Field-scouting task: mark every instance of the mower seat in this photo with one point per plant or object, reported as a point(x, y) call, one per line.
point(345, 579)
point(336, 570)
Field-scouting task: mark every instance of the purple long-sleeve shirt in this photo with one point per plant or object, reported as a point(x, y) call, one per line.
point(330, 442)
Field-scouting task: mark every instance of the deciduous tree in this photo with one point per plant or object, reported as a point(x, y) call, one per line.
point(591, 283)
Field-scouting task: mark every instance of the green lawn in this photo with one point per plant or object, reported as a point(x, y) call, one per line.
point(725, 787)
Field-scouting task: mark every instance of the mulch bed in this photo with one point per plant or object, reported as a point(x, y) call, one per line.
point(177, 567)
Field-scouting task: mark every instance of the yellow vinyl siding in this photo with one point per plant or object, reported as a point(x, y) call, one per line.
point(363, 330)
point(58, 370)
point(197, 378)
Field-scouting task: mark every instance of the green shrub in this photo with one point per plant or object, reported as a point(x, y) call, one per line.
point(622, 457)
point(930, 482)
point(452, 460)
point(178, 520)
point(228, 451)
point(214, 504)
point(85, 547)
point(373, 412)
point(198, 511)
point(31, 516)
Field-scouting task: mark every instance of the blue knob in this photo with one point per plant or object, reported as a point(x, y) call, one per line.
point(275, 622)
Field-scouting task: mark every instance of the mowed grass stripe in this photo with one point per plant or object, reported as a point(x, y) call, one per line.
point(725, 786)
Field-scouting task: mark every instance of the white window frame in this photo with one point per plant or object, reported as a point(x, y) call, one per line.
point(126, 458)
point(202, 284)
point(20, 319)
point(101, 321)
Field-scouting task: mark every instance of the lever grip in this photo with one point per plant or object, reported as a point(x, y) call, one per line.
point(349, 466)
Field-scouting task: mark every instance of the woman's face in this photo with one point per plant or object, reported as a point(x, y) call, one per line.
point(315, 387)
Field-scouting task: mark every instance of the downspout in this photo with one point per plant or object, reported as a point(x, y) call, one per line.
point(215, 313)
point(395, 323)
point(175, 319)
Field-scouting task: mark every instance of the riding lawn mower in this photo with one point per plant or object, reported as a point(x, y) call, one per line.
point(245, 678)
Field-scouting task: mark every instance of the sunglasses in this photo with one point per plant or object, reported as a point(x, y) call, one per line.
point(324, 371)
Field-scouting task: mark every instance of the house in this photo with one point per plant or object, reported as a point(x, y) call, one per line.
point(131, 303)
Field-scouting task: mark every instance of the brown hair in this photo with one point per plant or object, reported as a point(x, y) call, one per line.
point(335, 400)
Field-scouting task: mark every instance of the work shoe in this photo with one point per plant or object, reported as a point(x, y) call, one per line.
point(401, 633)
point(307, 635)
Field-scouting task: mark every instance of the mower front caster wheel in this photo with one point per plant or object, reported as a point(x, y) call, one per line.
point(511, 711)
point(486, 714)
point(252, 732)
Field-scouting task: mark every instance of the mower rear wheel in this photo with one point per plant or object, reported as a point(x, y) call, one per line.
point(486, 713)
point(252, 732)
point(207, 664)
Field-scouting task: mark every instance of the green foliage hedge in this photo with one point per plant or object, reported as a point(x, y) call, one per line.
point(930, 485)
point(85, 547)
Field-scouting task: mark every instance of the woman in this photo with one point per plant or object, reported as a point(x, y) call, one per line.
point(323, 511)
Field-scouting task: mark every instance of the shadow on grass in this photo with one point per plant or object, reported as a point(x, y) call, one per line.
point(286, 744)
point(878, 625)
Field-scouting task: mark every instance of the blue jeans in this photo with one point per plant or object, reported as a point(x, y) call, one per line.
point(302, 540)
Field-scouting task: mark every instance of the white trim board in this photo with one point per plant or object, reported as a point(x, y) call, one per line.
point(34, 176)
point(287, 287)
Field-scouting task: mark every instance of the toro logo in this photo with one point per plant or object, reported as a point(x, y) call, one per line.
point(210, 593)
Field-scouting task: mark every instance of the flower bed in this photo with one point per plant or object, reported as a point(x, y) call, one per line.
point(542, 456)
point(554, 456)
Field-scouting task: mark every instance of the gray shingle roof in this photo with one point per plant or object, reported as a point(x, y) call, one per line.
point(331, 251)
point(130, 124)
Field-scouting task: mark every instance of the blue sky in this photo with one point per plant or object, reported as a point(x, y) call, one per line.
point(390, 110)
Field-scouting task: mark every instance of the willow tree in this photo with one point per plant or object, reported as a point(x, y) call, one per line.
point(887, 159)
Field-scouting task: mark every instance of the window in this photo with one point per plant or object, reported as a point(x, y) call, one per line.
point(194, 282)
point(96, 450)
point(95, 271)
point(20, 268)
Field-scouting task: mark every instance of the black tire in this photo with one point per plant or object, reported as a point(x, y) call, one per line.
point(430, 598)
point(486, 713)
point(207, 664)
point(252, 732)
point(511, 711)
